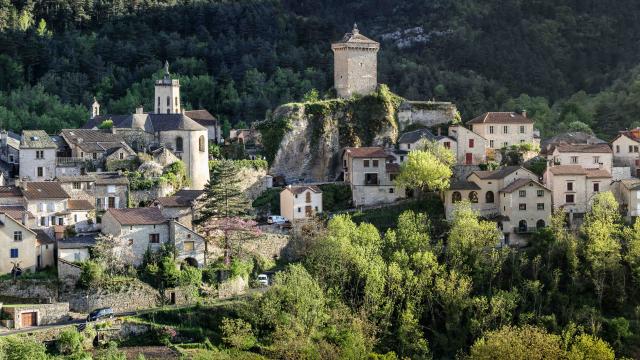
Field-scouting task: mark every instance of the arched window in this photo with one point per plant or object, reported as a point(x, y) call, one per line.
point(201, 143)
point(488, 197)
point(522, 226)
point(456, 197)
point(473, 197)
point(540, 224)
point(178, 143)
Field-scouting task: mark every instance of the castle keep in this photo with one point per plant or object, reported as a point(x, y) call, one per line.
point(355, 64)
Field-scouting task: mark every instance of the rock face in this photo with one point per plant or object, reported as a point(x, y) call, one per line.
point(426, 113)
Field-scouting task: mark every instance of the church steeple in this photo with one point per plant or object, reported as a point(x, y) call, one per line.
point(167, 75)
point(167, 93)
point(95, 108)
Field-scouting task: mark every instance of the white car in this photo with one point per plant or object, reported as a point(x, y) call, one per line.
point(276, 219)
point(263, 280)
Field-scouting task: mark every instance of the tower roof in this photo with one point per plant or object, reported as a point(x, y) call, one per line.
point(355, 38)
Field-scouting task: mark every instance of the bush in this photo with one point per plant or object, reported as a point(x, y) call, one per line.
point(268, 201)
point(335, 197)
point(18, 348)
point(237, 333)
point(69, 342)
point(91, 273)
point(190, 275)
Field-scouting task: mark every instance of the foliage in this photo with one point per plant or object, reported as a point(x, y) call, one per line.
point(223, 197)
point(268, 202)
point(237, 334)
point(106, 124)
point(257, 164)
point(526, 342)
point(272, 131)
point(91, 273)
point(113, 253)
point(19, 348)
point(424, 170)
point(69, 342)
point(335, 197)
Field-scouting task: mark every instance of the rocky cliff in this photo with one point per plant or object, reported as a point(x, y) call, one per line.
point(306, 138)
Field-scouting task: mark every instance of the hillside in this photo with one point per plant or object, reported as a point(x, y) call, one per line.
point(241, 59)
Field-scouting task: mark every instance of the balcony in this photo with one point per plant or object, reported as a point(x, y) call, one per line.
point(71, 161)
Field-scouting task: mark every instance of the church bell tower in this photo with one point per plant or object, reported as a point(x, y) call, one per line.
point(167, 94)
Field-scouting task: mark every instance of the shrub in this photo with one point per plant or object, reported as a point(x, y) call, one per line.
point(237, 333)
point(91, 273)
point(18, 348)
point(69, 342)
point(190, 275)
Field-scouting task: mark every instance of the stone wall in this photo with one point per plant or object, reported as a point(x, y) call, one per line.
point(253, 182)
point(147, 196)
point(134, 296)
point(620, 173)
point(426, 113)
point(28, 290)
point(269, 245)
point(68, 273)
point(232, 287)
point(46, 313)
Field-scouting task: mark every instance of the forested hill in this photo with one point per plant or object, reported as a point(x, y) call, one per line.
point(238, 59)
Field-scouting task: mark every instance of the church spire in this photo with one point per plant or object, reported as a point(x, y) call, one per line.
point(355, 30)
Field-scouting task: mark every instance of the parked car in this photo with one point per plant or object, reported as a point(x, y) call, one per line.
point(276, 219)
point(263, 280)
point(98, 314)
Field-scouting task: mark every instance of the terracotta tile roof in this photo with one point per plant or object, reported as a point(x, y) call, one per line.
point(584, 148)
point(138, 216)
point(597, 173)
point(633, 134)
point(16, 211)
point(10, 191)
point(44, 190)
point(501, 118)
point(463, 185)
point(520, 183)
point(567, 170)
point(299, 189)
point(365, 152)
point(79, 205)
point(497, 174)
point(392, 168)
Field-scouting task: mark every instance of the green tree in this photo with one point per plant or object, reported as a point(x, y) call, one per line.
point(20, 348)
point(223, 197)
point(237, 333)
point(589, 347)
point(423, 170)
point(517, 343)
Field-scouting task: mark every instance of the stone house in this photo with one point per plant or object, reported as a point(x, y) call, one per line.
point(355, 64)
point(10, 147)
point(146, 229)
point(573, 188)
point(76, 249)
point(22, 246)
point(417, 139)
point(103, 190)
point(181, 206)
point(371, 178)
point(29, 315)
point(300, 202)
point(96, 145)
point(589, 156)
point(627, 193)
point(511, 196)
point(37, 156)
point(469, 147)
point(626, 152)
point(204, 118)
point(48, 202)
point(502, 129)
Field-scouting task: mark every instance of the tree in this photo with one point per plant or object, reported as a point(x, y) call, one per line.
point(114, 253)
point(237, 333)
point(424, 170)
point(515, 343)
point(632, 255)
point(223, 197)
point(589, 347)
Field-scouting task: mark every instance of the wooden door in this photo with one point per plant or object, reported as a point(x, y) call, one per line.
point(468, 158)
point(29, 319)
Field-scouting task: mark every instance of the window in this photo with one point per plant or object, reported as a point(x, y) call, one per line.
point(540, 224)
point(366, 163)
point(75, 218)
point(308, 197)
point(17, 236)
point(392, 177)
point(540, 193)
point(189, 246)
point(94, 155)
point(158, 103)
point(81, 154)
point(447, 145)
point(175, 101)
point(569, 199)
point(121, 156)
point(635, 148)
point(473, 197)
point(596, 187)
point(521, 129)
point(505, 129)
point(574, 159)
point(201, 145)
point(112, 202)
point(409, 146)
point(168, 100)
point(40, 171)
point(617, 148)
point(489, 197)
point(154, 238)
point(491, 143)
point(522, 225)
point(401, 158)
point(505, 144)
point(471, 143)
point(596, 159)
point(43, 221)
point(40, 154)
point(76, 256)
point(299, 209)
point(522, 193)
point(540, 206)
point(456, 197)
point(77, 185)
point(522, 207)
point(98, 203)
point(491, 129)
point(569, 186)
point(390, 190)
point(630, 148)
point(521, 141)
point(13, 253)
point(179, 144)
point(371, 179)
point(375, 163)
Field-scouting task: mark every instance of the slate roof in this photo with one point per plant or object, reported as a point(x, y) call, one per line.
point(79, 205)
point(497, 174)
point(299, 189)
point(520, 183)
point(91, 140)
point(150, 122)
point(138, 216)
point(44, 190)
point(631, 184)
point(75, 242)
point(584, 148)
point(42, 238)
point(365, 152)
point(182, 198)
point(463, 185)
point(413, 136)
point(574, 137)
point(202, 117)
point(166, 122)
point(36, 139)
point(75, 178)
point(501, 118)
point(110, 178)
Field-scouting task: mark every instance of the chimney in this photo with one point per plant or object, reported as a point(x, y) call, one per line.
point(523, 112)
point(25, 218)
point(140, 110)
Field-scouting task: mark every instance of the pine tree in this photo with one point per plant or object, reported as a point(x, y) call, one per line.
point(223, 196)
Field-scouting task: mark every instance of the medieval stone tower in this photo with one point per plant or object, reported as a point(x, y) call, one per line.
point(167, 94)
point(355, 64)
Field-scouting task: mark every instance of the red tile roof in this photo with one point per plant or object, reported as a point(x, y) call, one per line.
point(44, 190)
point(597, 173)
point(79, 205)
point(10, 191)
point(138, 216)
point(501, 118)
point(365, 152)
point(567, 170)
